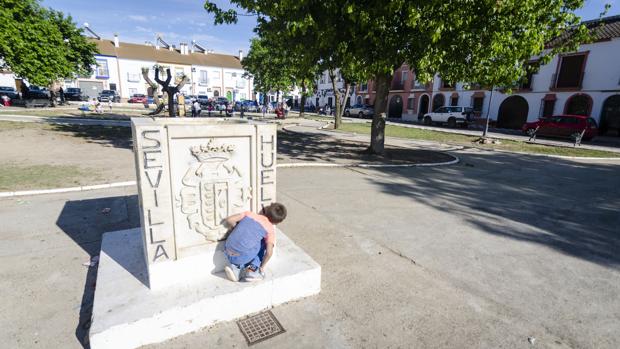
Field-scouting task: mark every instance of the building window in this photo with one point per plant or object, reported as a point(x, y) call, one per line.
point(454, 101)
point(113, 87)
point(133, 77)
point(203, 80)
point(477, 104)
point(571, 71)
point(405, 76)
point(364, 87)
point(446, 85)
point(410, 103)
point(215, 77)
point(102, 69)
point(548, 107)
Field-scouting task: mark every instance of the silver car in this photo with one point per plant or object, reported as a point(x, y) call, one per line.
point(360, 110)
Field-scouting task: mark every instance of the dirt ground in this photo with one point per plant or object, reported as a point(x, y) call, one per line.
point(99, 154)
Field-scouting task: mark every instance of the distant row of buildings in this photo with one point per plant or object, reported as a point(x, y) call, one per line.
point(586, 82)
point(119, 67)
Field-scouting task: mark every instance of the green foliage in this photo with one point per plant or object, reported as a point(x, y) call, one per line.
point(483, 41)
point(268, 67)
point(42, 45)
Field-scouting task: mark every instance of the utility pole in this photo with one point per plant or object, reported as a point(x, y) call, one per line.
point(486, 123)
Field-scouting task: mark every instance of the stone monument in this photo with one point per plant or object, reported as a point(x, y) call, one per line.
point(165, 278)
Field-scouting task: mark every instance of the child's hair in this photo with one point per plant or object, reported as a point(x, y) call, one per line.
point(276, 212)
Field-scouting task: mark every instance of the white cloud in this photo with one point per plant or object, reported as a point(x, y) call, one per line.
point(138, 18)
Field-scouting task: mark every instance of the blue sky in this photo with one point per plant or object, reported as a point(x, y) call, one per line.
point(178, 21)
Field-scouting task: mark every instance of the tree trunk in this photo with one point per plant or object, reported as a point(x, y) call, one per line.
point(346, 96)
point(337, 114)
point(302, 107)
point(377, 132)
point(171, 112)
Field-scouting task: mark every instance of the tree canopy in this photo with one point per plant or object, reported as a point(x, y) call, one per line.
point(42, 45)
point(482, 41)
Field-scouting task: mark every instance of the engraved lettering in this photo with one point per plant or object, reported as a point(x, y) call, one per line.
point(150, 216)
point(148, 176)
point(160, 251)
point(262, 196)
point(265, 177)
point(155, 144)
point(151, 160)
point(153, 241)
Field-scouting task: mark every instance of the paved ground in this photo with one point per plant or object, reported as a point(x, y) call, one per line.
point(484, 254)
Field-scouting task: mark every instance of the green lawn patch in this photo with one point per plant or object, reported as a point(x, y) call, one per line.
point(15, 177)
point(465, 140)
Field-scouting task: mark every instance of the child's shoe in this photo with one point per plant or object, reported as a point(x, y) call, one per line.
point(253, 275)
point(232, 272)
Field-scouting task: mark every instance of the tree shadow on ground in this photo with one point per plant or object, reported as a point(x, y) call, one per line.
point(116, 136)
point(571, 207)
point(314, 147)
point(85, 221)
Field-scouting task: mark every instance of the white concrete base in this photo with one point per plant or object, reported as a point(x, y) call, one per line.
point(127, 314)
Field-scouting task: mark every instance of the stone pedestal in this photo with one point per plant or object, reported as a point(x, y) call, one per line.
point(165, 278)
point(127, 314)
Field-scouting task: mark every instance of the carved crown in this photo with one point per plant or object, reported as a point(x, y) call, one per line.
point(210, 151)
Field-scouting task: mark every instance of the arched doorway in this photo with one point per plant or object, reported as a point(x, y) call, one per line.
point(610, 116)
point(358, 100)
point(423, 109)
point(438, 101)
point(579, 104)
point(396, 107)
point(512, 112)
point(216, 93)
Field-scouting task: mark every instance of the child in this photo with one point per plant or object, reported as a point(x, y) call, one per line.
point(250, 244)
point(197, 108)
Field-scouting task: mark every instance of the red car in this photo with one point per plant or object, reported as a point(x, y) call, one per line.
point(138, 98)
point(563, 126)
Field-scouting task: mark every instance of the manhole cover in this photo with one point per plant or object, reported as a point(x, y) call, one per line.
point(259, 327)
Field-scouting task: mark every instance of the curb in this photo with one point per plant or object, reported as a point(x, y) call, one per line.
point(564, 157)
point(9, 194)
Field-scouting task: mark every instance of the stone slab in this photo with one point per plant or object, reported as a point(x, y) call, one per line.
point(127, 314)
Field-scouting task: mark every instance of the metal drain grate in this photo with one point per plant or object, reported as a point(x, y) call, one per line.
point(259, 327)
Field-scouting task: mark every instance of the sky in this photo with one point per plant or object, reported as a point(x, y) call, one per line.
point(137, 21)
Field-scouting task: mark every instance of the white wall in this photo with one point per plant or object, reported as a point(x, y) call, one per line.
point(7, 80)
point(134, 68)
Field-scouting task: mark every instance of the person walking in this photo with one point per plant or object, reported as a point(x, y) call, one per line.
point(196, 108)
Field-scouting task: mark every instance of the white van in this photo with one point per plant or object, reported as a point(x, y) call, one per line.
point(452, 116)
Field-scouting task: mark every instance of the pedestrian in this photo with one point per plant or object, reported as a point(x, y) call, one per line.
point(250, 244)
point(196, 108)
point(110, 104)
point(286, 109)
point(98, 107)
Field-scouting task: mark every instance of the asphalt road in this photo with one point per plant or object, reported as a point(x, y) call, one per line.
point(483, 254)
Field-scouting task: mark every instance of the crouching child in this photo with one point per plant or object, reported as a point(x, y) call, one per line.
point(250, 244)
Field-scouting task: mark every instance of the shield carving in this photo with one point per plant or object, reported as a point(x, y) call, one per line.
point(213, 190)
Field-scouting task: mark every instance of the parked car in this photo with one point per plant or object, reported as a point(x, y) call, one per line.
point(9, 92)
point(563, 126)
point(203, 100)
point(221, 103)
point(251, 106)
point(138, 98)
point(107, 95)
point(75, 94)
point(452, 116)
point(360, 110)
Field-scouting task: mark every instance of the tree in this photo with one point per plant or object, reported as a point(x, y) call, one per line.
point(268, 67)
point(170, 90)
point(485, 41)
point(42, 45)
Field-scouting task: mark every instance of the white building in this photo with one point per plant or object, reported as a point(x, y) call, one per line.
point(324, 94)
point(119, 67)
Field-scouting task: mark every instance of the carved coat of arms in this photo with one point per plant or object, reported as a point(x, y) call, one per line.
point(213, 189)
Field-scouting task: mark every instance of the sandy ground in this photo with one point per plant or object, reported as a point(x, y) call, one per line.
point(103, 160)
